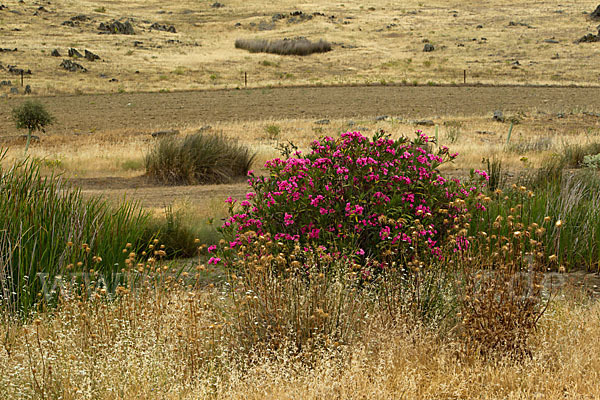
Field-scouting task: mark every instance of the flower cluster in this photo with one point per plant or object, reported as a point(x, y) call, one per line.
point(374, 201)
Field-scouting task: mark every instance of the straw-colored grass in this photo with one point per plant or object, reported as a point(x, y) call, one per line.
point(158, 347)
point(373, 42)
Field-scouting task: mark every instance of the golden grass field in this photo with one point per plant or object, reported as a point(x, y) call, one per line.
point(373, 42)
point(161, 344)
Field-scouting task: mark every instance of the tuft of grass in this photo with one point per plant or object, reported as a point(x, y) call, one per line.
point(297, 47)
point(198, 159)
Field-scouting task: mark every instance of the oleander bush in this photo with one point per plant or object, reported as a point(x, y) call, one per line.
point(376, 202)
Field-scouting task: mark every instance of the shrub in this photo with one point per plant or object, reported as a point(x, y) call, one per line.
point(297, 47)
point(33, 116)
point(378, 202)
point(500, 285)
point(592, 161)
point(197, 159)
point(180, 237)
point(272, 132)
point(48, 229)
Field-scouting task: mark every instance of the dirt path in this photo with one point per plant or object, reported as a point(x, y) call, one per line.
point(151, 111)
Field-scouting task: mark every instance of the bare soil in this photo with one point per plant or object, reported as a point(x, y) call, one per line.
point(145, 112)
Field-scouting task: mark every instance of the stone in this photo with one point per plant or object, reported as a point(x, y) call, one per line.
point(381, 118)
point(589, 38)
point(137, 43)
point(27, 89)
point(55, 53)
point(74, 53)
point(5, 83)
point(169, 132)
point(428, 48)
point(425, 122)
point(116, 27)
point(14, 90)
point(163, 28)
point(217, 5)
point(91, 56)
point(498, 116)
point(552, 41)
point(5, 50)
point(69, 23)
point(322, 122)
point(80, 18)
point(595, 15)
point(72, 66)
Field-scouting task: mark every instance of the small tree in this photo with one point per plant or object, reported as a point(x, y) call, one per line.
point(33, 116)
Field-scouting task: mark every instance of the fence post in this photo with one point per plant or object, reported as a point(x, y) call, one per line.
point(245, 79)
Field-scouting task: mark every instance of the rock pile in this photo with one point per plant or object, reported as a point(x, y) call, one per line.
point(116, 27)
point(72, 66)
point(163, 28)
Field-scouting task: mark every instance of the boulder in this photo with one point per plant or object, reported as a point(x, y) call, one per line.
point(428, 47)
point(116, 27)
point(163, 28)
point(217, 5)
point(498, 116)
point(55, 53)
point(74, 53)
point(425, 122)
point(72, 66)
point(322, 122)
point(14, 90)
point(589, 38)
point(91, 56)
point(595, 15)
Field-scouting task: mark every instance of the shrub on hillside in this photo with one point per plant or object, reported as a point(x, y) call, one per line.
point(379, 202)
point(296, 47)
point(197, 159)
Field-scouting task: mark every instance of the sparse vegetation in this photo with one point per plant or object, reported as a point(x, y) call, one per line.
point(297, 47)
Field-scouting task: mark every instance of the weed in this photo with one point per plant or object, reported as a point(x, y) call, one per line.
point(272, 132)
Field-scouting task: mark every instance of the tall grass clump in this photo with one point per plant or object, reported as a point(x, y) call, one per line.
point(197, 159)
point(296, 47)
point(48, 229)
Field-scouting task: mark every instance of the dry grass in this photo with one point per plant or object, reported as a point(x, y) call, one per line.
point(373, 42)
point(171, 345)
point(121, 154)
